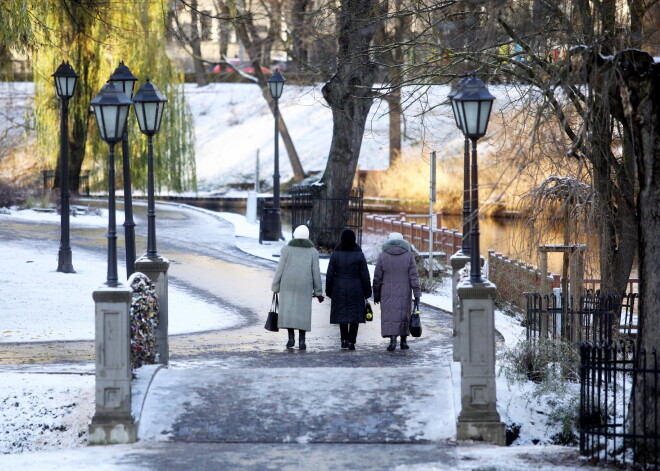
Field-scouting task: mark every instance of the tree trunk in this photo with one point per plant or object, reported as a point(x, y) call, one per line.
point(349, 94)
point(394, 102)
point(390, 38)
point(225, 32)
point(196, 44)
point(614, 183)
point(638, 109)
point(245, 31)
point(300, 16)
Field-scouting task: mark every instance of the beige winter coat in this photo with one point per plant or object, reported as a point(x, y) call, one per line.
point(297, 279)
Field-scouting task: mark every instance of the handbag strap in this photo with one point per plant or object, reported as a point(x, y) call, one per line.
point(275, 304)
point(415, 306)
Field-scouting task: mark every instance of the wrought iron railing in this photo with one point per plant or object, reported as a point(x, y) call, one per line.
point(596, 318)
point(619, 401)
point(303, 199)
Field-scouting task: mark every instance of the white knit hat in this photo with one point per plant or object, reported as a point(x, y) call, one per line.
point(395, 236)
point(301, 232)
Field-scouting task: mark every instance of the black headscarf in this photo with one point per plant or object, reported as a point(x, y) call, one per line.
point(348, 243)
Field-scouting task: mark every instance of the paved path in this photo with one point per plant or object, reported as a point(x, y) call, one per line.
point(236, 399)
point(299, 405)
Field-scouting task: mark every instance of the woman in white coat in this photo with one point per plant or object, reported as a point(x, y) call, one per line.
point(297, 280)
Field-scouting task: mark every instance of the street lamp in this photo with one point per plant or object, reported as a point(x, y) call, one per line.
point(111, 110)
point(125, 80)
point(65, 84)
point(271, 221)
point(473, 105)
point(148, 104)
point(465, 246)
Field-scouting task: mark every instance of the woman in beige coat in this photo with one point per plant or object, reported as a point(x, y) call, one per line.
point(297, 280)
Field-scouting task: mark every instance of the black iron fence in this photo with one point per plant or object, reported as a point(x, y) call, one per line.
point(303, 199)
point(596, 318)
point(619, 414)
point(48, 177)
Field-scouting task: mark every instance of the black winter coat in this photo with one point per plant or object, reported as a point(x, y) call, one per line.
point(347, 284)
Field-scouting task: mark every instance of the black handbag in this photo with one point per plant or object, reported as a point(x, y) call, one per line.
point(271, 320)
point(415, 322)
point(368, 312)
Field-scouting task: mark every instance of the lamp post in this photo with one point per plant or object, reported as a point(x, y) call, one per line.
point(473, 105)
point(65, 84)
point(125, 80)
point(111, 110)
point(465, 246)
point(148, 105)
point(271, 221)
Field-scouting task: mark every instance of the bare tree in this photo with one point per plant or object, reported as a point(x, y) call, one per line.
point(258, 49)
point(188, 36)
point(349, 94)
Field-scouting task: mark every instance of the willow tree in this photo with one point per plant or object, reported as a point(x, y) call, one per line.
point(94, 38)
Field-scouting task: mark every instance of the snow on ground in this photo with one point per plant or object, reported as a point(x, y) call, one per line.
point(81, 216)
point(28, 314)
point(41, 411)
point(233, 124)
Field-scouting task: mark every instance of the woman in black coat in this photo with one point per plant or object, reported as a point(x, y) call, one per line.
point(348, 284)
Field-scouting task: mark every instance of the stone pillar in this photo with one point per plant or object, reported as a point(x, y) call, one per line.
point(458, 262)
point(478, 419)
point(156, 270)
point(113, 420)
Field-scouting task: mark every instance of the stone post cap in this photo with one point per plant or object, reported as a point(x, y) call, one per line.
point(107, 294)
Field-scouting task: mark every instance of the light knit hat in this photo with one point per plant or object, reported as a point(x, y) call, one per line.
point(301, 232)
point(395, 236)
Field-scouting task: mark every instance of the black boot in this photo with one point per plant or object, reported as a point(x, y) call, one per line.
point(301, 340)
point(292, 339)
point(392, 346)
point(404, 343)
point(343, 330)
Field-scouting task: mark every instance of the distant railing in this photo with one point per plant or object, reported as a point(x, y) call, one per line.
point(512, 277)
point(444, 240)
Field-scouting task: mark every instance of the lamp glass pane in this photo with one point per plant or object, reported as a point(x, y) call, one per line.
point(139, 113)
point(121, 123)
point(58, 87)
point(471, 117)
point(99, 121)
point(484, 116)
point(128, 88)
point(280, 87)
point(457, 115)
point(109, 121)
point(70, 86)
point(159, 116)
point(151, 114)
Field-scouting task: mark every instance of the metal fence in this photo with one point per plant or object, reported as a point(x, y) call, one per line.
point(596, 318)
point(303, 199)
point(619, 403)
point(48, 177)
